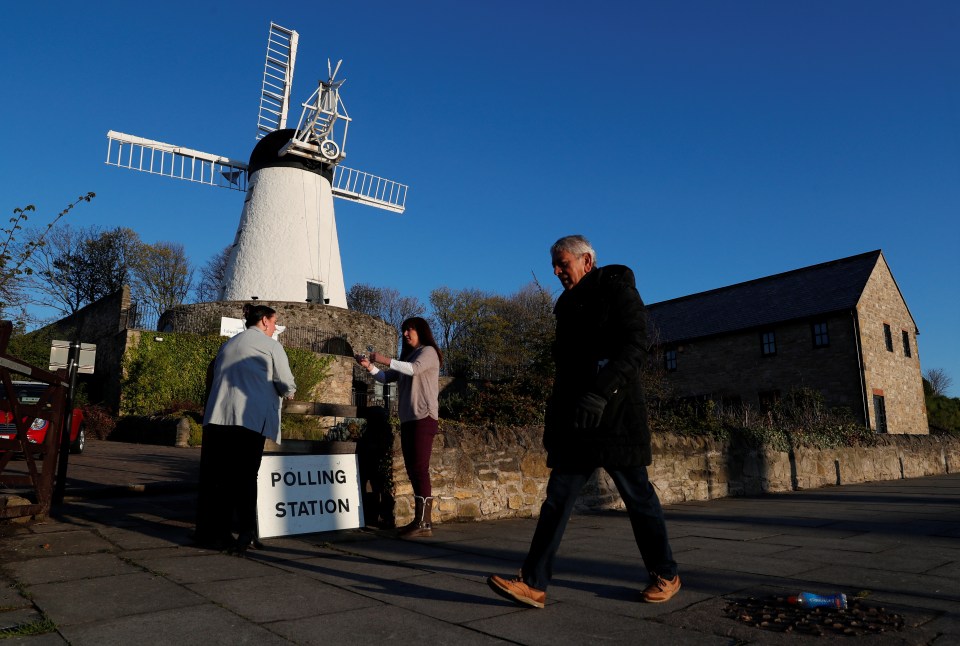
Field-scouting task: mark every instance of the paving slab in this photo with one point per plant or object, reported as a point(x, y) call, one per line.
point(68, 568)
point(347, 570)
point(206, 567)
point(578, 625)
point(203, 624)
point(379, 625)
point(277, 597)
point(104, 598)
point(449, 598)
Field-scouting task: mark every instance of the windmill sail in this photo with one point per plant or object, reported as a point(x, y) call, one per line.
point(158, 158)
point(177, 162)
point(277, 79)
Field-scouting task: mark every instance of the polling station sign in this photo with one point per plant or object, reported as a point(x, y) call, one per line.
point(301, 494)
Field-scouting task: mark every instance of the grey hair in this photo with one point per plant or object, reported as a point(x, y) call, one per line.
point(576, 245)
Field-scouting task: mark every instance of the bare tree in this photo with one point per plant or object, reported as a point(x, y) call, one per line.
point(397, 308)
point(939, 381)
point(366, 299)
point(385, 303)
point(15, 255)
point(75, 267)
point(52, 284)
point(212, 275)
point(162, 275)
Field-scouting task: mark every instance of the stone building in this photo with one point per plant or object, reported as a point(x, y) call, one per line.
point(841, 328)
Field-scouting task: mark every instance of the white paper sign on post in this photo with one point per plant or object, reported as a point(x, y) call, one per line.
point(302, 494)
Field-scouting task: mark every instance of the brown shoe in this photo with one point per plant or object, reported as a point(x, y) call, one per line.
point(517, 590)
point(661, 589)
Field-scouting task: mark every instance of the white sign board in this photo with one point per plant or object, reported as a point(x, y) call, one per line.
point(302, 494)
point(232, 327)
point(60, 356)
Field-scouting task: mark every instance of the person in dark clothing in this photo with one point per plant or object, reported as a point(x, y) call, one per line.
point(596, 418)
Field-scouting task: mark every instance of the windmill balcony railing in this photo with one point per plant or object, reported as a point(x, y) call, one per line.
point(363, 187)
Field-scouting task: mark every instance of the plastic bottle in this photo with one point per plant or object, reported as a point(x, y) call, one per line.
point(811, 600)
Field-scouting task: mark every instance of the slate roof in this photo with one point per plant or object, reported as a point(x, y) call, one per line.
point(820, 289)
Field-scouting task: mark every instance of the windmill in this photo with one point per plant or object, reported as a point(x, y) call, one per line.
point(286, 246)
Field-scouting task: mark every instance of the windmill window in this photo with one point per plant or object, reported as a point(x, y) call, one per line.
point(888, 337)
point(768, 343)
point(906, 344)
point(821, 336)
point(315, 293)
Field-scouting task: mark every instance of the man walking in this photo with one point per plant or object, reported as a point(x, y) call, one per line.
point(596, 417)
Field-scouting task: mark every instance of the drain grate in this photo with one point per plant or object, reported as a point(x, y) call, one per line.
point(774, 613)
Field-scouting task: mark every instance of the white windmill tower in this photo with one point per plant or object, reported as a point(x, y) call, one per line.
point(286, 246)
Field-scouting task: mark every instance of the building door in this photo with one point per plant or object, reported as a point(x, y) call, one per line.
point(880, 413)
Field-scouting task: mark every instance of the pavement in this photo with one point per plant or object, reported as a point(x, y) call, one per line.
point(114, 565)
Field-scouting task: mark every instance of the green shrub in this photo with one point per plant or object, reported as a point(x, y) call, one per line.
point(159, 373)
point(517, 401)
point(943, 413)
point(169, 376)
point(799, 419)
point(309, 370)
point(98, 421)
point(301, 427)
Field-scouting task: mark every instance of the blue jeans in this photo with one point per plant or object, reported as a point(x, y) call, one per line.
point(643, 509)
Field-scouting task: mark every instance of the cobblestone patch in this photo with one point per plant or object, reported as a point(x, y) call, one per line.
point(776, 614)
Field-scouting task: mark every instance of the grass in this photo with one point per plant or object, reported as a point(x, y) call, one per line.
point(39, 626)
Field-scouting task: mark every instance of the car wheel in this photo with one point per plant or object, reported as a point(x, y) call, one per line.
point(80, 442)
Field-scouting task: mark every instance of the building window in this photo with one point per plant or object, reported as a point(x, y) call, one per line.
point(906, 344)
point(880, 413)
point(670, 360)
point(888, 337)
point(821, 338)
point(768, 344)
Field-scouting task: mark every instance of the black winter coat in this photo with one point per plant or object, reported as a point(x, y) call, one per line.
point(600, 347)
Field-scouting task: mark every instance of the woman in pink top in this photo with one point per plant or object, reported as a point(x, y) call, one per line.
point(417, 374)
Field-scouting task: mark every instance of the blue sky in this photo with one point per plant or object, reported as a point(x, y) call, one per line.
point(702, 142)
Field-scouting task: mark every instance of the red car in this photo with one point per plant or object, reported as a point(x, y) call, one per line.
point(29, 392)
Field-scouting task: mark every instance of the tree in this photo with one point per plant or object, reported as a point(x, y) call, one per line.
point(76, 267)
point(212, 275)
point(939, 380)
point(385, 303)
point(487, 336)
point(15, 255)
point(56, 282)
point(162, 275)
point(107, 261)
point(366, 299)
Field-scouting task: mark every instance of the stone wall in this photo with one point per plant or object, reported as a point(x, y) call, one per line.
point(731, 367)
point(485, 474)
point(102, 323)
point(321, 328)
point(890, 373)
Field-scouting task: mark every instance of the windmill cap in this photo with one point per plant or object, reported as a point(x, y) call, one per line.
point(266, 154)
